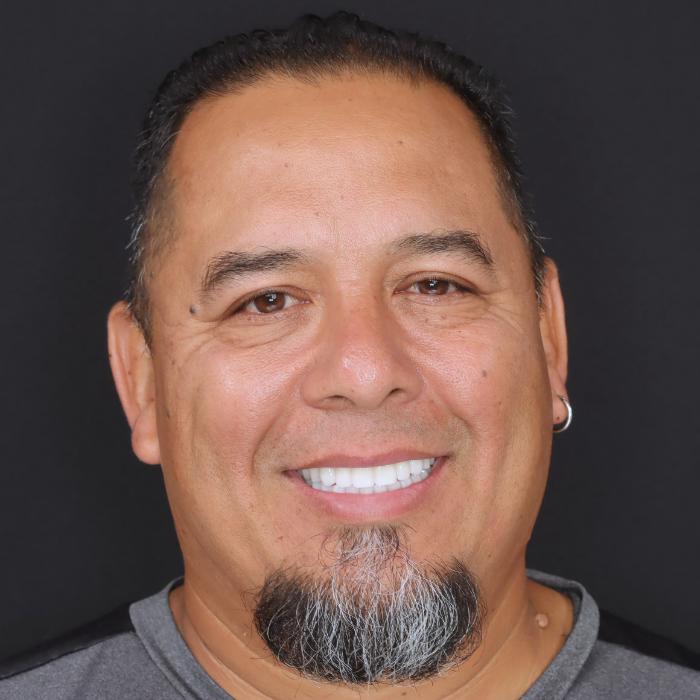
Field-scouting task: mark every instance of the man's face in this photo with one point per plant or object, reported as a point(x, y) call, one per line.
point(377, 347)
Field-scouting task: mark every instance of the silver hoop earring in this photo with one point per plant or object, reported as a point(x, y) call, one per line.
point(561, 427)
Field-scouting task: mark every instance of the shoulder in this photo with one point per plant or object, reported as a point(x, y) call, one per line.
point(628, 661)
point(615, 630)
point(103, 659)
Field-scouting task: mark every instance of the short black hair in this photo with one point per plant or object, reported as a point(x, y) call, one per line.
point(313, 47)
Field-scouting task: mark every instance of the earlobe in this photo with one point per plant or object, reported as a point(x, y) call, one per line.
point(553, 333)
point(144, 436)
point(132, 369)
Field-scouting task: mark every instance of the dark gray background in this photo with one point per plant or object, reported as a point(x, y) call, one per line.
point(608, 106)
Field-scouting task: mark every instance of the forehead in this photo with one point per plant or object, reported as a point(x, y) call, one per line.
point(333, 112)
point(284, 143)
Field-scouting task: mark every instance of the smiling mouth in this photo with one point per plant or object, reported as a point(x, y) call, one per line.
point(388, 477)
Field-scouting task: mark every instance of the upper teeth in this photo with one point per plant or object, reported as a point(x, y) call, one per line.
point(368, 479)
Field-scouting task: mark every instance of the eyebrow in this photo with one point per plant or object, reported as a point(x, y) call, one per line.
point(466, 243)
point(232, 266)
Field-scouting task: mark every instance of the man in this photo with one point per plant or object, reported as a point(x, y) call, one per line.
point(347, 350)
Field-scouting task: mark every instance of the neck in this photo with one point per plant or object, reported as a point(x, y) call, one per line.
point(526, 626)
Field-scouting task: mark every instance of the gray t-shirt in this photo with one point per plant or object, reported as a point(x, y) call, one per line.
point(149, 659)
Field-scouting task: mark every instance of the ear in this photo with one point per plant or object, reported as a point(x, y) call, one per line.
point(553, 332)
point(132, 369)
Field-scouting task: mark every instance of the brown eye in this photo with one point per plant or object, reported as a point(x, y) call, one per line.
point(269, 302)
point(265, 303)
point(437, 286)
point(433, 286)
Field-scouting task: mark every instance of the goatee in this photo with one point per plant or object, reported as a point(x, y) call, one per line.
point(374, 616)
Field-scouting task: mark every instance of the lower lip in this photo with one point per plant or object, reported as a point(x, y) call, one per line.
point(369, 506)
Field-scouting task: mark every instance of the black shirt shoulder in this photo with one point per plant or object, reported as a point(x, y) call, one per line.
point(109, 625)
point(616, 630)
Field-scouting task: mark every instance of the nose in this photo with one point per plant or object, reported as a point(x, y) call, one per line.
point(362, 361)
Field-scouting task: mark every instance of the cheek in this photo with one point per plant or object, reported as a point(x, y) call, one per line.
point(492, 378)
point(222, 406)
point(235, 400)
point(491, 375)
point(215, 409)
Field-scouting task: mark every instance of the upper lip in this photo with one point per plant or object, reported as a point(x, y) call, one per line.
point(376, 460)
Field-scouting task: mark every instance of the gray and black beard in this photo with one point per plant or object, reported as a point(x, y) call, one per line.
point(375, 616)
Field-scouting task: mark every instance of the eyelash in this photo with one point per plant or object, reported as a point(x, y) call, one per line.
point(462, 289)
